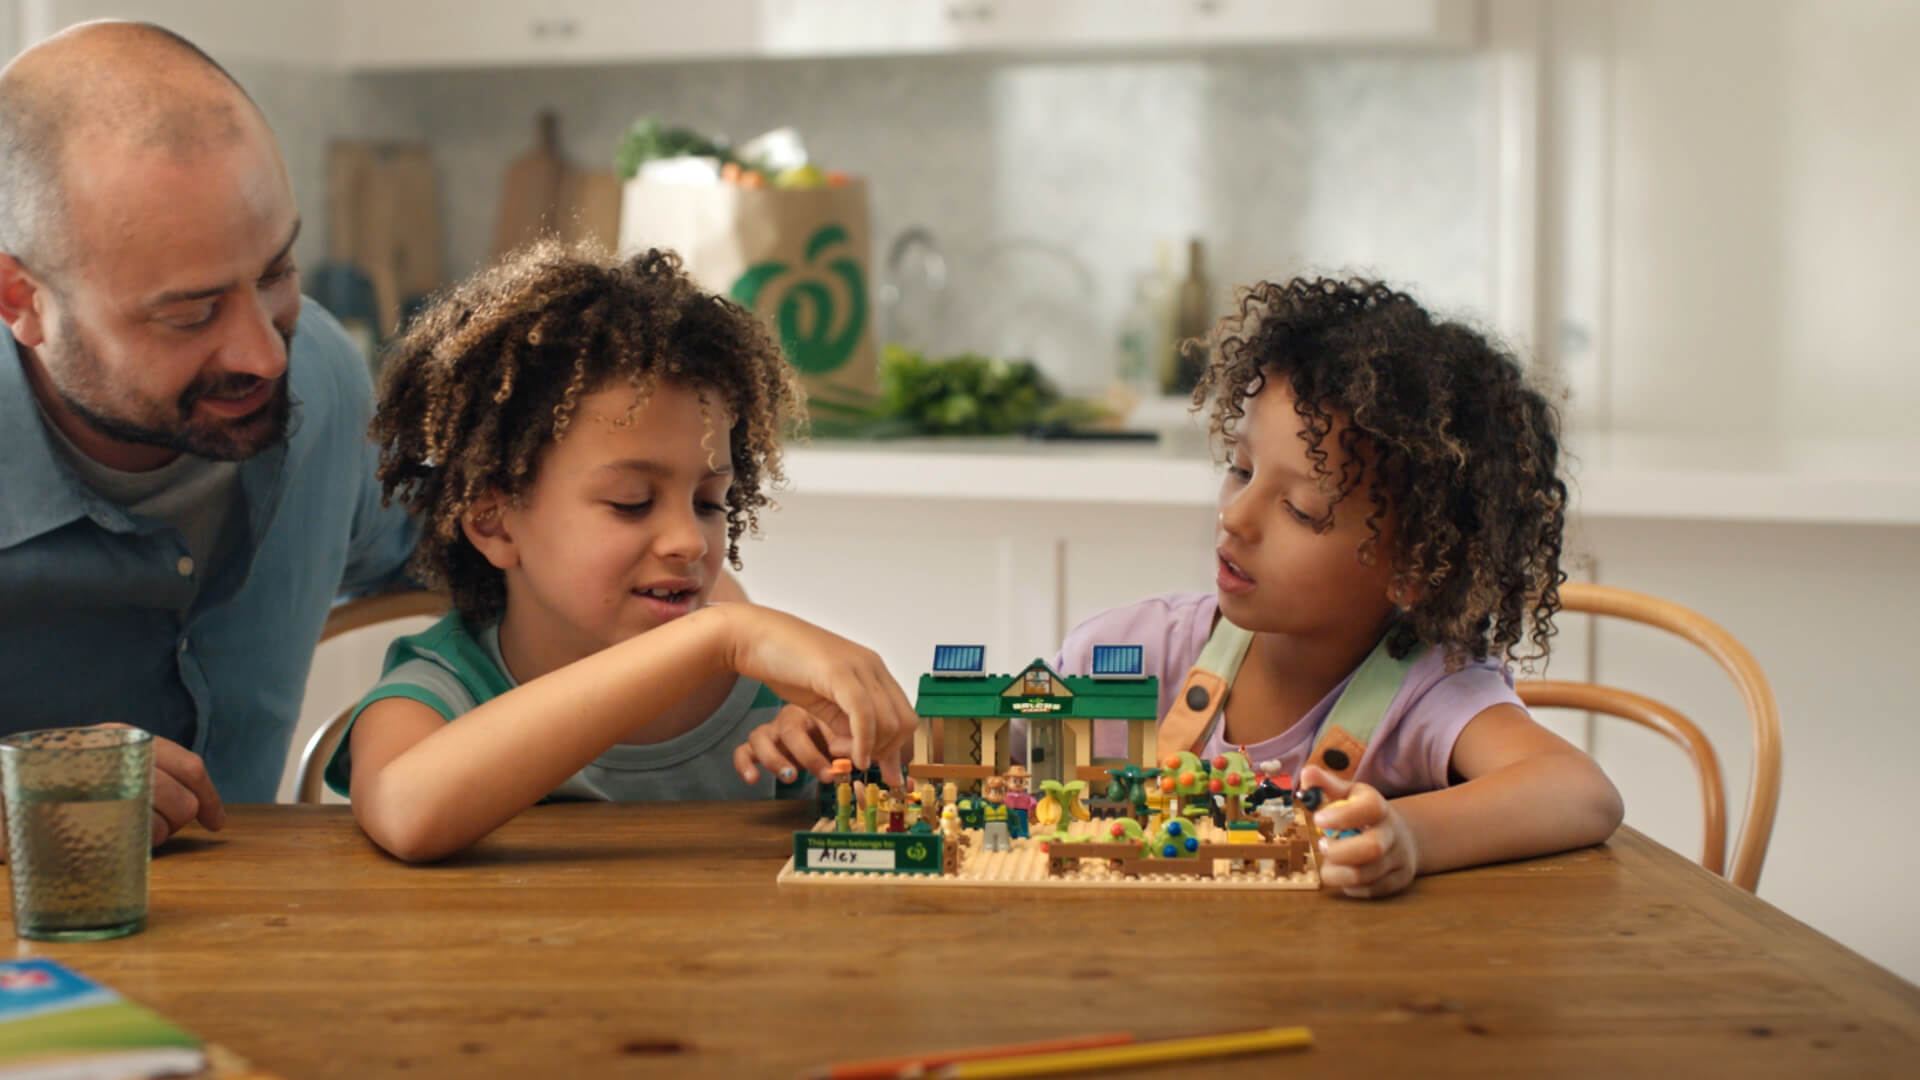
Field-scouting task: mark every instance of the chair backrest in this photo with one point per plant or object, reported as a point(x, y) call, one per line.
point(1763, 798)
point(309, 780)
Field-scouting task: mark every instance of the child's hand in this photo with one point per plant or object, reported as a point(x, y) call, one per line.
point(791, 741)
point(846, 686)
point(1382, 860)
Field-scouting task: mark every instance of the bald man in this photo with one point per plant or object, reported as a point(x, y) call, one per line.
point(185, 478)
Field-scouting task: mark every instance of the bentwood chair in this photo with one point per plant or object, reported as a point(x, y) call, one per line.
point(309, 784)
point(1763, 717)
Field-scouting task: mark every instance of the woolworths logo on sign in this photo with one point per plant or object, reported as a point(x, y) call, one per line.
point(819, 309)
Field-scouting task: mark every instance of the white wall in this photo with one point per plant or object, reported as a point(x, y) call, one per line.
point(1731, 223)
point(1752, 218)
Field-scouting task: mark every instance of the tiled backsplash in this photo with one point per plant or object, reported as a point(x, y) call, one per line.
point(1279, 161)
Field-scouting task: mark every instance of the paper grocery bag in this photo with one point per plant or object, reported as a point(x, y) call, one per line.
point(796, 257)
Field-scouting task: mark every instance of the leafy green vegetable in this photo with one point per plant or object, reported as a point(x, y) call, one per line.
point(970, 394)
point(648, 139)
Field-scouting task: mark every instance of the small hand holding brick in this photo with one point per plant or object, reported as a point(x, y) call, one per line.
point(1382, 859)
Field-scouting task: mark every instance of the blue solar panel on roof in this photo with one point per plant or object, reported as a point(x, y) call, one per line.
point(959, 658)
point(1119, 661)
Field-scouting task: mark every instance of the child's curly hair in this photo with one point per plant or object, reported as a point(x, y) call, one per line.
point(489, 376)
point(1462, 452)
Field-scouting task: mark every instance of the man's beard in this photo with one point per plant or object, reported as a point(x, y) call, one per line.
point(214, 439)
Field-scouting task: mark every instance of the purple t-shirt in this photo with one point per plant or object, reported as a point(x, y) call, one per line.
point(1409, 751)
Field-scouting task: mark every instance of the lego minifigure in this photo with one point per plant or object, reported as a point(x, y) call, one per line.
point(1020, 801)
point(993, 816)
point(971, 812)
point(896, 804)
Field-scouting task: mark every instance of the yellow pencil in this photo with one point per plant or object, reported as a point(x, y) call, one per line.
point(1146, 1053)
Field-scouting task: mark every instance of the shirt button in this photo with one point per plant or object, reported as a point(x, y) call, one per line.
point(185, 566)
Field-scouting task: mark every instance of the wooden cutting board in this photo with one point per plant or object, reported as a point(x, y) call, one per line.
point(597, 208)
point(384, 220)
point(544, 194)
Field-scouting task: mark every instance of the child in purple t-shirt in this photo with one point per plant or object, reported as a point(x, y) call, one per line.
point(1391, 482)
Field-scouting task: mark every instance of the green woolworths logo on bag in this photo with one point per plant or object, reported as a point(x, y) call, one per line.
point(803, 307)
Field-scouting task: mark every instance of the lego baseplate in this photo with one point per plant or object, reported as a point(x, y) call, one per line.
point(1025, 867)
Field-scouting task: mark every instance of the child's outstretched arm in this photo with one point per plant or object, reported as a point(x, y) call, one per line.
point(1528, 792)
point(424, 788)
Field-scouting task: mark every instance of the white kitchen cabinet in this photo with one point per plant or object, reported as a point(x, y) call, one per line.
point(398, 34)
point(1437, 23)
point(908, 27)
point(1070, 25)
point(374, 35)
point(798, 28)
point(304, 34)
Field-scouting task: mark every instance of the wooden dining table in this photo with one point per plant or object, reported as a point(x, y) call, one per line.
point(592, 940)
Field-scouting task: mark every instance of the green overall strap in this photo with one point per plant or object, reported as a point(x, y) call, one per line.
point(1360, 709)
point(1356, 714)
point(1204, 692)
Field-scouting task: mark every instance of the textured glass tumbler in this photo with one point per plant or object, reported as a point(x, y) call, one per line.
point(78, 804)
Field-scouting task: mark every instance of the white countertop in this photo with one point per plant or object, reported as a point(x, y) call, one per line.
point(1827, 481)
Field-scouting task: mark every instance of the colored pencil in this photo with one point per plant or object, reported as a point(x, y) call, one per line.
point(920, 1064)
point(1140, 1053)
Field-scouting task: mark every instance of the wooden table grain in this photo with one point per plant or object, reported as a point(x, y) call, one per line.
point(614, 941)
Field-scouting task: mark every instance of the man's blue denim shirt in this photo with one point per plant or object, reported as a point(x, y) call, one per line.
point(104, 618)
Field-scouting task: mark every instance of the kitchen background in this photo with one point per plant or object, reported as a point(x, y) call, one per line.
point(1044, 183)
point(1697, 217)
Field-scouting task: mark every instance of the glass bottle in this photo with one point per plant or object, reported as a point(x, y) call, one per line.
point(1193, 318)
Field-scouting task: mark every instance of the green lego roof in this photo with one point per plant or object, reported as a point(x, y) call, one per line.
point(974, 696)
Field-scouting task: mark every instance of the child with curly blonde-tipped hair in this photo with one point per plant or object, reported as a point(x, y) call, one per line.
point(1389, 535)
point(585, 441)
